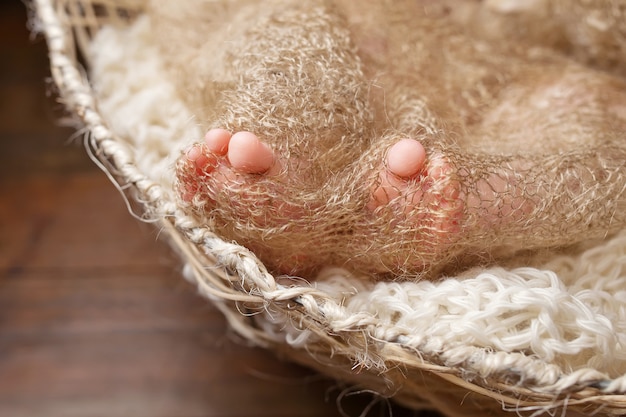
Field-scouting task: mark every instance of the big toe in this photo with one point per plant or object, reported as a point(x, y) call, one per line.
point(405, 161)
point(406, 158)
point(248, 154)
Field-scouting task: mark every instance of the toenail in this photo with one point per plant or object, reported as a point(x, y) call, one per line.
point(406, 158)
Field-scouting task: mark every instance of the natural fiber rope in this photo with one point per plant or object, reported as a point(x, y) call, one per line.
point(310, 324)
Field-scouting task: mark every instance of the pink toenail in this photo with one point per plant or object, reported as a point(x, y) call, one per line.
point(406, 158)
point(246, 152)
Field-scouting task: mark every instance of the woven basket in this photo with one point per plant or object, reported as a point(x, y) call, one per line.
point(311, 323)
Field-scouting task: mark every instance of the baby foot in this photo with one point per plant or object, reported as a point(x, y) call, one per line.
point(221, 161)
point(239, 180)
point(421, 191)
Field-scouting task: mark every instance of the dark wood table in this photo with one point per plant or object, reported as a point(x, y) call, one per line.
point(95, 318)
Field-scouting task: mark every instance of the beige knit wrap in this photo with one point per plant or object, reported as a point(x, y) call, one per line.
point(534, 141)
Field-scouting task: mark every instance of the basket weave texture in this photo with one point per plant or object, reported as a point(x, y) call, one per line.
point(335, 324)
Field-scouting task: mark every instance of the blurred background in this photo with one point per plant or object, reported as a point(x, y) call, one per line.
point(95, 318)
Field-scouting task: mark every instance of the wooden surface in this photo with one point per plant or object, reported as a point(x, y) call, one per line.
point(95, 319)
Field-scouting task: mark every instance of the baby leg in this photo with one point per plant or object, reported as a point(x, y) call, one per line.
point(569, 123)
point(458, 205)
point(301, 91)
point(301, 86)
point(438, 203)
